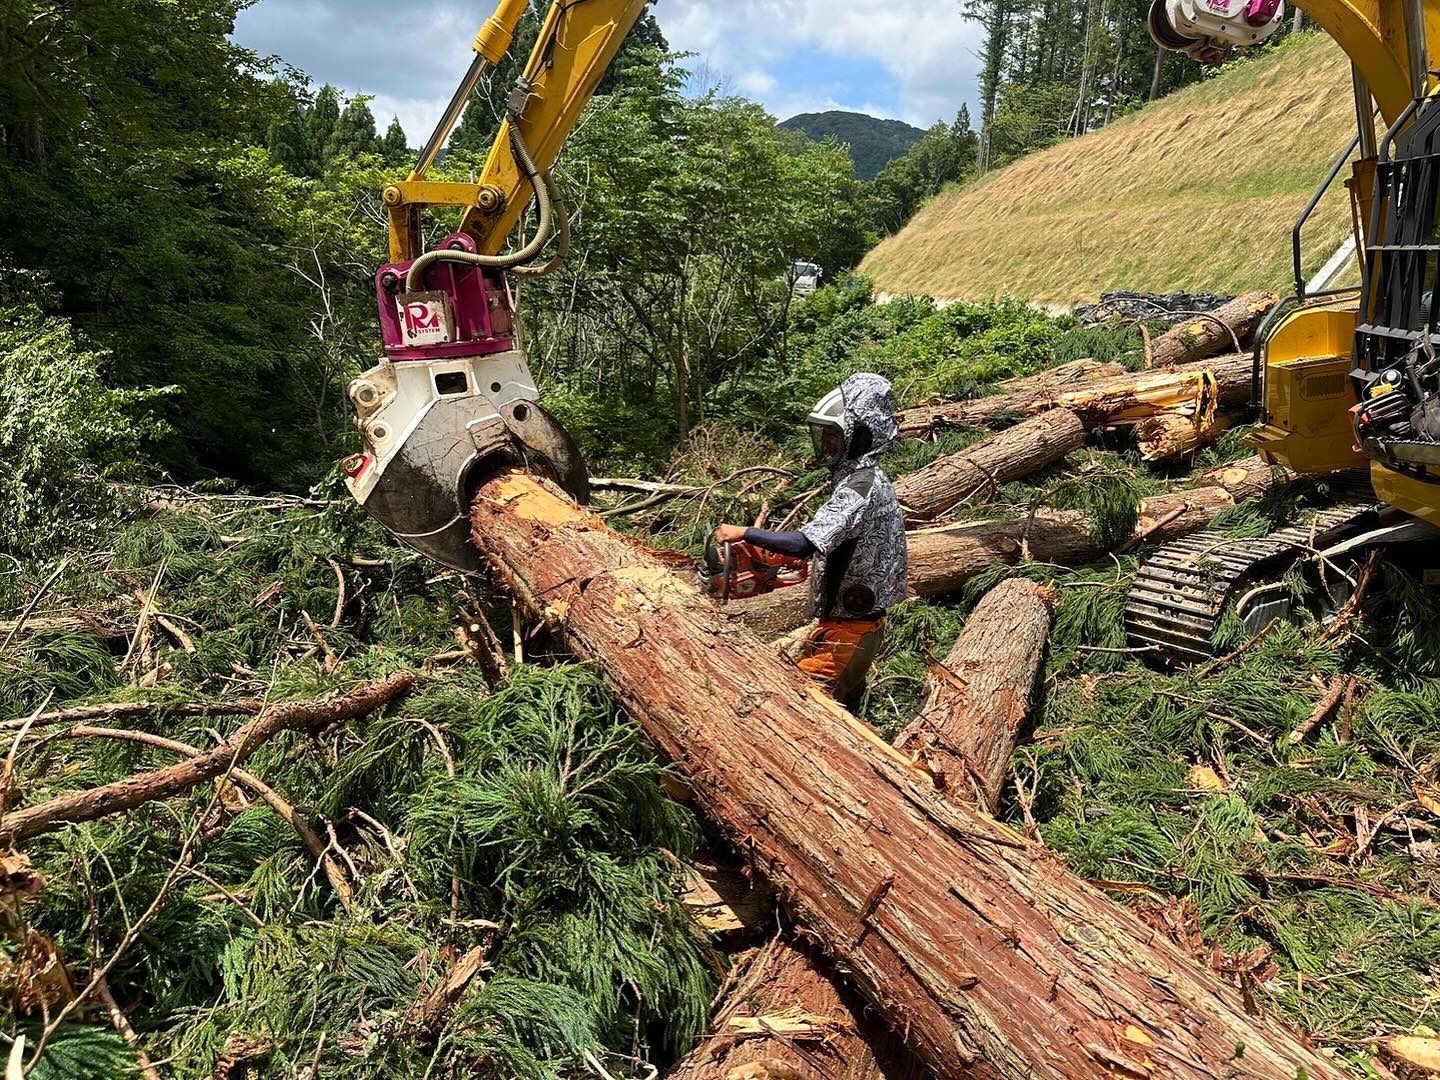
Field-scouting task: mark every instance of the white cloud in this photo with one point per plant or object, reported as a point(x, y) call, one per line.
point(929, 49)
point(411, 57)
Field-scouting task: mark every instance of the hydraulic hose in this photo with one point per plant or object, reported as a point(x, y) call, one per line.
point(547, 202)
point(562, 235)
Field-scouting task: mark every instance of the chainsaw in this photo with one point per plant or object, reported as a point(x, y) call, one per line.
point(735, 571)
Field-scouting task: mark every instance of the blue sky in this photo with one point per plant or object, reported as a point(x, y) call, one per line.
point(913, 60)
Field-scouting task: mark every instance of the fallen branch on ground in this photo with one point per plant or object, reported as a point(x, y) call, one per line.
point(21, 825)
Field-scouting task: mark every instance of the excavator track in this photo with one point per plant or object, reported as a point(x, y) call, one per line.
point(1181, 592)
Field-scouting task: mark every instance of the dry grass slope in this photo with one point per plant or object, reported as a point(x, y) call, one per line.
point(1197, 192)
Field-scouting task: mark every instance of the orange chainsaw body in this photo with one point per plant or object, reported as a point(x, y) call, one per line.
point(739, 570)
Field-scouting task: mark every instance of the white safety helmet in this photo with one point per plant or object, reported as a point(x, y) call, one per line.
point(827, 429)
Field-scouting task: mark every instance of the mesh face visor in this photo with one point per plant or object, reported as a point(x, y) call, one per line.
point(828, 439)
point(827, 429)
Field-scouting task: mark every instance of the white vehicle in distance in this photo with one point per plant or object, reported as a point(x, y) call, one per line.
point(804, 277)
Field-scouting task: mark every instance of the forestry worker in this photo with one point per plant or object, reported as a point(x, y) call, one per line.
point(856, 543)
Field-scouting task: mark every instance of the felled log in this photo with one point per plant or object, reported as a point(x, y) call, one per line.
point(976, 704)
point(979, 697)
point(1117, 399)
point(975, 943)
point(1174, 435)
point(786, 1018)
point(1056, 378)
point(1216, 332)
point(92, 803)
point(942, 560)
point(1009, 455)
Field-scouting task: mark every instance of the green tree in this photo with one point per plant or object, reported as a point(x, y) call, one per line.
point(394, 147)
point(354, 133)
point(693, 209)
point(321, 120)
point(288, 145)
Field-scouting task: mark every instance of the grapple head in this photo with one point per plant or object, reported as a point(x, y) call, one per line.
point(1209, 30)
point(453, 400)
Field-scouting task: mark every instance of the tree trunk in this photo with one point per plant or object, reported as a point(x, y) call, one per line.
point(1159, 70)
point(1174, 435)
point(1117, 399)
point(976, 704)
point(810, 1027)
point(972, 941)
point(1205, 335)
point(941, 560)
point(1026, 448)
point(979, 698)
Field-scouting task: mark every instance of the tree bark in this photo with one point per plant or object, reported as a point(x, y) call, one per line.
point(1028, 447)
point(972, 941)
point(172, 780)
point(1216, 332)
point(1117, 399)
point(976, 705)
point(1063, 376)
point(942, 560)
point(979, 698)
point(817, 1028)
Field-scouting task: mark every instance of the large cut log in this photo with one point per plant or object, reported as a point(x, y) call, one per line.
point(942, 560)
point(1117, 399)
point(1218, 331)
point(976, 703)
point(1063, 376)
point(973, 942)
point(978, 700)
point(1016, 452)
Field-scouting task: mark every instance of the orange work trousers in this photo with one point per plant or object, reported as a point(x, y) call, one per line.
point(838, 654)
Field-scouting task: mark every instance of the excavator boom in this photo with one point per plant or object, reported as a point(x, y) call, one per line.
point(454, 391)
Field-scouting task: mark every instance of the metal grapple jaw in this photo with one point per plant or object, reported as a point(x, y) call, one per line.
point(434, 430)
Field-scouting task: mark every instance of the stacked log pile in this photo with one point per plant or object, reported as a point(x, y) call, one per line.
point(1175, 409)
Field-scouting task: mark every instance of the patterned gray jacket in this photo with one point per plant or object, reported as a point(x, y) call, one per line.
point(859, 567)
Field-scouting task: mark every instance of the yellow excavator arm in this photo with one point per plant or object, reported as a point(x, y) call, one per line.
point(453, 395)
point(577, 42)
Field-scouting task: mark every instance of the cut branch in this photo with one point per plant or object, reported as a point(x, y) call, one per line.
point(175, 779)
point(272, 798)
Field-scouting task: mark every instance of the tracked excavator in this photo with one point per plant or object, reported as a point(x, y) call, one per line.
point(1347, 380)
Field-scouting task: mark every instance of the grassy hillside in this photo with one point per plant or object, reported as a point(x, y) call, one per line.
point(1198, 191)
point(873, 142)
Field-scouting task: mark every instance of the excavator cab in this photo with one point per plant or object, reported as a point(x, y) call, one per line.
point(1344, 377)
point(453, 397)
